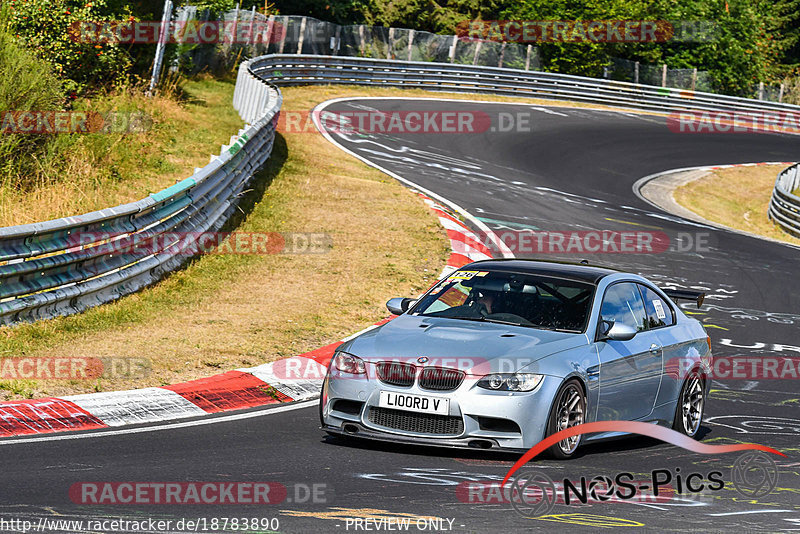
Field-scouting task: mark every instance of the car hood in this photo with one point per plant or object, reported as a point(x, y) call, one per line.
point(473, 346)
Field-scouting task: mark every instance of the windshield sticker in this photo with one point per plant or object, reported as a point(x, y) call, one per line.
point(466, 275)
point(659, 309)
point(462, 275)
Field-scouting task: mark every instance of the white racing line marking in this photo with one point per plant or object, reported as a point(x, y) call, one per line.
point(747, 512)
point(549, 111)
point(170, 426)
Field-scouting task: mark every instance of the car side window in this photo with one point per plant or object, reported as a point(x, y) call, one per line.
point(659, 313)
point(623, 303)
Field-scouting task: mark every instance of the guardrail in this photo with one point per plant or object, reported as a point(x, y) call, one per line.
point(66, 265)
point(306, 69)
point(784, 206)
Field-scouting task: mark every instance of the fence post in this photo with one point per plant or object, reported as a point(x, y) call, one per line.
point(162, 37)
point(694, 79)
point(502, 54)
point(361, 49)
point(337, 40)
point(477, 51)
point(283, 34)
point(302, 35)
point(780, 94)
point(664, 75)
point(235, 25)
point(452, 54)
point(270, 31)
point(390, 52)
point(761, 90)
point(636, 72)
point(252, 38)
point(528, 57)
point(410, 43)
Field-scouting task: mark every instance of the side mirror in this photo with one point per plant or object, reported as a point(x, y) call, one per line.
point(399, 306)
point(619, 332)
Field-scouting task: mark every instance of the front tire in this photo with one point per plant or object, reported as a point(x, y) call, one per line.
point(568, 410)
point(691, 403)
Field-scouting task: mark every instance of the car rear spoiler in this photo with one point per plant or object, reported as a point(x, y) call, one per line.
point(680, 294)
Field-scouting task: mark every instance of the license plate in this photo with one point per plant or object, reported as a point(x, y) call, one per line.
point(414, 403)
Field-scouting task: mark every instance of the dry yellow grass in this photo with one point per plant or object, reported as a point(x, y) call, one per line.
point(737, 197)
point(101, 170)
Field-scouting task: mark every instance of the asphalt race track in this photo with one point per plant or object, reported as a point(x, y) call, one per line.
point(573, 171)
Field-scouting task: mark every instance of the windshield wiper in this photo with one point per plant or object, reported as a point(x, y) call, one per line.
point(498, 321)
point(480, 319)
point(462, 317)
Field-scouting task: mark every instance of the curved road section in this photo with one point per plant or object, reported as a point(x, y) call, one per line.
point(553, 183)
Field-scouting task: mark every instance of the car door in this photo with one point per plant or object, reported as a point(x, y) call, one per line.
point(630, 371)
point(661, 321)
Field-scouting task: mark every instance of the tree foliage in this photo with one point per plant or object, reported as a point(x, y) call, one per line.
point(747, 41)
point(47, 28)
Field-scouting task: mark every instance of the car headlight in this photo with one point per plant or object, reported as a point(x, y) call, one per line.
point(511, 381)
point(347, 363)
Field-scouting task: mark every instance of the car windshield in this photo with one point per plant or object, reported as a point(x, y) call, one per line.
point(510, 298)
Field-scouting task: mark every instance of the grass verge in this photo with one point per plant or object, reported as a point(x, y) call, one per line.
point(737, 197)
point(226, 311)
point(87, 172)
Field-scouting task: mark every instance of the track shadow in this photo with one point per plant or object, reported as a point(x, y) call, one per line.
point(628, 444)
point(259, 184)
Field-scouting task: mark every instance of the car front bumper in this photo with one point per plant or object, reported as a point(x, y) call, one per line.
point(485, 419)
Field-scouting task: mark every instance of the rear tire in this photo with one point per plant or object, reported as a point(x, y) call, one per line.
point(569, 409)
point(691, 403)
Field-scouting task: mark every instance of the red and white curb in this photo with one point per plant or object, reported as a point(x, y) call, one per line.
point(291, 379)
point(731, 166)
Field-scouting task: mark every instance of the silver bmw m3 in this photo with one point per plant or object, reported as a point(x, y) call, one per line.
point(503, 353)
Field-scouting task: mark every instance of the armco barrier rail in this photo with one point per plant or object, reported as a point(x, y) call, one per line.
point(448, 77)
point(51, 268)
point(784, 206)
point(64, 266)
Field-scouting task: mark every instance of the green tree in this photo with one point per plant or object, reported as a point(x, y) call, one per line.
point(740, 50)
point(50, 29)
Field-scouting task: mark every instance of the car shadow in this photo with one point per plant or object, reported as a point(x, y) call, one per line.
point(621, 444)
point(628, 444)
point(420, 450)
